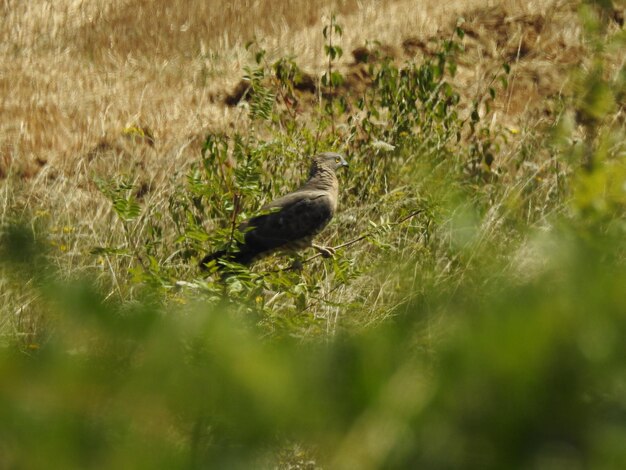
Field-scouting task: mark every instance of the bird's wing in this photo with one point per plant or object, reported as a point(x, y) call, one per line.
point(293, 218)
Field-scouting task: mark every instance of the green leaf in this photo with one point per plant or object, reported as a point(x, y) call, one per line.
point(599, 99)
point(336, 79)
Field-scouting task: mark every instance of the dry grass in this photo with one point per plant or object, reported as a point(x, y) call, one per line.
point(131, 90)
point(81, 74)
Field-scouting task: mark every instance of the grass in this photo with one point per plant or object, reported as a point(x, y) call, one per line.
point(476, 303)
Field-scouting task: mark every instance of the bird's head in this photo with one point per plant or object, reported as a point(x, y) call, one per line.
point(330, 160)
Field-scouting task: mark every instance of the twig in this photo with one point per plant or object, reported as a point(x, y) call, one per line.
point(236, 208)
point(361, 237)
point(330, 70)
point(352, 242)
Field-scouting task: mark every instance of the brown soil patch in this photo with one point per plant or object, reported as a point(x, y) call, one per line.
point(78, 74)
point(541, 50)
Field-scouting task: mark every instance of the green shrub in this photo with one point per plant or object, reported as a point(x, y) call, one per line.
point(472, 318)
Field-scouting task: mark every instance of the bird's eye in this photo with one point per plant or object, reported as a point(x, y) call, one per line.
point(337, 160)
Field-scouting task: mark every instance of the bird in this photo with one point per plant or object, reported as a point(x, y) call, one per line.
point(290, 222)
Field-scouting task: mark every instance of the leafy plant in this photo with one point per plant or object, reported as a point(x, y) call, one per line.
point(472, 317)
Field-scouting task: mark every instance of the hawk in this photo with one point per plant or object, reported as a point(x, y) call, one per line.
point(290, 222)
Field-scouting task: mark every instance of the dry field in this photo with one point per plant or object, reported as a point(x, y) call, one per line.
point(77, 73)
point(472, 316)
point(134, 87)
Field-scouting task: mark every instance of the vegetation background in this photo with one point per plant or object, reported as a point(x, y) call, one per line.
point(474, 314)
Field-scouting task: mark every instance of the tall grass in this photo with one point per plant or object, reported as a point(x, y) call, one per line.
point(471, 318)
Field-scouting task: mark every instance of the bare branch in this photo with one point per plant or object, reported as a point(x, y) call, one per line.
point(361, 237)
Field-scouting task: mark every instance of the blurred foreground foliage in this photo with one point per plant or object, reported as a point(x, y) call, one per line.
point(528, 375)
point(499, 340)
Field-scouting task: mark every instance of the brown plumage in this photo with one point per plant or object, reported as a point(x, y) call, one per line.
point(291, 221)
